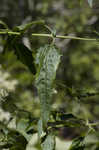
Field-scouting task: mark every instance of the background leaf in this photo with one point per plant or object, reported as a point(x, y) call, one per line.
point(78, 144)
point(25, 56)
point(24, 27)
point(3, 24)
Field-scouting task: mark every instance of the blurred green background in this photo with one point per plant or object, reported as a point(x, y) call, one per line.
point(78, 73)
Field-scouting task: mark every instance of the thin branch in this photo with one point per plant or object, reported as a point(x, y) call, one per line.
point(49, 35)
point(75, 38)
point(42, 35)
point(63, 37)
point(10, 33)
point(94, 124)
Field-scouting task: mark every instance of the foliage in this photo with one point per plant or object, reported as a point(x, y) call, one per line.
point(67, 89)
point(47, 60)
point(78, 144)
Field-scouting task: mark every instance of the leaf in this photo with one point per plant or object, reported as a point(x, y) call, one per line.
point(13, 140)
point(49, 143)
point(47, 139)
point(21, 127)
point(90, 2)
point(62, 116)
point(24, 27)
point(78, 144)
point(24, 55)
point(4, 24)
point(47, 61)
point(61, 119)
point(41, 133)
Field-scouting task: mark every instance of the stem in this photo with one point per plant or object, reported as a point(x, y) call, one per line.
point(10, 32)
point(75, 38)
point(94, 124)
point(42, 35)
point(63, 37)
point(49, 35)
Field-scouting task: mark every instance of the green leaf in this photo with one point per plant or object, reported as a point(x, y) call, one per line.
point(13, 140)
point(47, 61)
point(60, 119)
point(25, 56)
point(41, 133)
point(21, 127)
point(78, 144)
point(49, 143)
point(23, 53)
point(62, 116)
point(90, 2)
point(47, 139)
point(4, 24)
point(24, 27)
